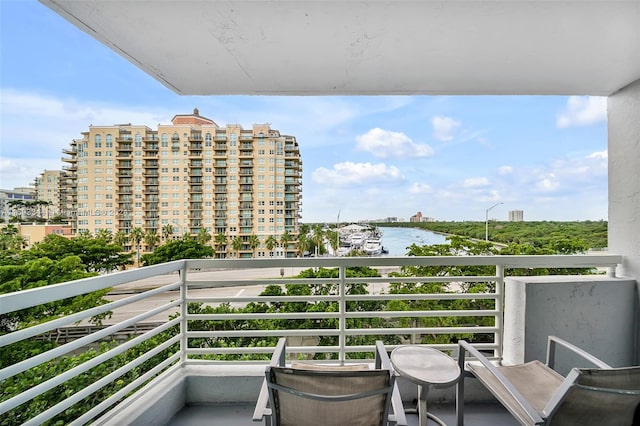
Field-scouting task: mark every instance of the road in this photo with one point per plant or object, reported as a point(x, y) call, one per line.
point(137, 308)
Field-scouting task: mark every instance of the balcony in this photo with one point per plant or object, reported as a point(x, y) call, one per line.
point(229, 385)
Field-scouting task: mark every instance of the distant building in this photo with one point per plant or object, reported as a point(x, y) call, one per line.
point(428, 219)
point(416, 217)
point(48, 190)
point(186, 176)
point(35, 233)
point(13, 202)
point(516, 216)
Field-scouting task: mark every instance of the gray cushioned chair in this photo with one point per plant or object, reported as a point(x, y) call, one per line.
point(312, 394)
point(535, 394)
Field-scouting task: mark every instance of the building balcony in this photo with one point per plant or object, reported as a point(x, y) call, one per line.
point(187, 370)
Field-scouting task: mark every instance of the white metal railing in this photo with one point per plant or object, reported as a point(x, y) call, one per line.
point(213, 275)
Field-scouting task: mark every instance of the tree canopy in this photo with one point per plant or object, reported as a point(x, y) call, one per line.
point(185, 248)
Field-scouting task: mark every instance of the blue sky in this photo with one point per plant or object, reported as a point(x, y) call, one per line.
point(450, 157)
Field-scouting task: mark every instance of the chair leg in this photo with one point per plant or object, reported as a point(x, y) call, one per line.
point(460, 401)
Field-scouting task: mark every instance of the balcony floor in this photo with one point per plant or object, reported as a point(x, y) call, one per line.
point(480, 414)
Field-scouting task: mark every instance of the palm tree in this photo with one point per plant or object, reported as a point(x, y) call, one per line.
point(137, 235)
point(254, 243)
point(220, 241)
point(151, 239)
point(16, 206)
point(304, 243)
point(120, 238)
point(284, 241)
point(84, 233)
point(167, 231)
point(237, 244)
point(203, 236)
point(270, 243)
point(104, 234)
point(318, 239)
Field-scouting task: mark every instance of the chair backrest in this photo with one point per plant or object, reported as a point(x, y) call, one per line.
point(594, 396)
point(329, 397)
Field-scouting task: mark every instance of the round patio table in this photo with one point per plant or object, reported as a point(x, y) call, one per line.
point(427, 367)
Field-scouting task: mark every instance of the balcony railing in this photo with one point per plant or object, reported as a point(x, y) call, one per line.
point(183, 282)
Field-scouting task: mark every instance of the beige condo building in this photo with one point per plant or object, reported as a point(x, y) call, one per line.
point(48, 189)
point(189, 175)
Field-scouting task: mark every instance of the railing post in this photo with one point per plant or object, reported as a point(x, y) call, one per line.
point(343, 313)
point(500, 310)
point(183, 312)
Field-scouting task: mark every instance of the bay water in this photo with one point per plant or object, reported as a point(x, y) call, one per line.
point(396, 240)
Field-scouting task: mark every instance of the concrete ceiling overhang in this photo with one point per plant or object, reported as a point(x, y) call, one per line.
point(317, 47)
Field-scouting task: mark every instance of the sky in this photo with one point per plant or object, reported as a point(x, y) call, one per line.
point(364, 157)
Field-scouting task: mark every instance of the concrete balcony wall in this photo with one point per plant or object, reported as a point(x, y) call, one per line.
point(592, 312)
point(623, 114)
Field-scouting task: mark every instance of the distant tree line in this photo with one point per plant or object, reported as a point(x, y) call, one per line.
point(589, 234)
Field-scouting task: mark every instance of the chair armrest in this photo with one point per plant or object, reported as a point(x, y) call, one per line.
point(524, 404)
point(383, 361)
point(277, 360)
point(554, 341)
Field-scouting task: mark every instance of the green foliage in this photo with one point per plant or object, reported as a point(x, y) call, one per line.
point(41, 272)
point(34, 376)
point(96, 254)
point(185, 248)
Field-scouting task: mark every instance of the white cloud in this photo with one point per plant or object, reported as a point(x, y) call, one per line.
point(420, 188)
point(59, 121)
point(386, 144)
point(15, 173)
point(349, 173)
point(548, 184)
point(477, 182)
point(583, 111)
point(505, 170)
point(444, 128)
point(599, 155)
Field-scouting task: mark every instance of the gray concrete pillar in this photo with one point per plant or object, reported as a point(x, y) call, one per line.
point(623, 111)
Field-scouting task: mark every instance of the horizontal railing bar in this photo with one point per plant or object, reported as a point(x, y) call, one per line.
point(93, 387)
point(223, 299)
point(412, 314)
point(86, 417)
point(509, 261)
point(430, 296)
point(251, 316)
point(320, 349)
point(11, 302)
point(359, 314)
point(335, 332)
point(212, 283)
point(264, 333)
point(420, 330)
point(63, 377)
point(26, 333)
point(19, 367)
point(348, 298)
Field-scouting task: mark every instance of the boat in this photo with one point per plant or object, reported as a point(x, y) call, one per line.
point(372, 247)
point(357, 240)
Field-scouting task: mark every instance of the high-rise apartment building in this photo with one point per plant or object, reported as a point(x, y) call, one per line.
point(516, 216)
point(47, 188)
point(187, 176)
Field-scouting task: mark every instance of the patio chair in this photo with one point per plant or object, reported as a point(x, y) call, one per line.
point(313, 394)
point(535, 394)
